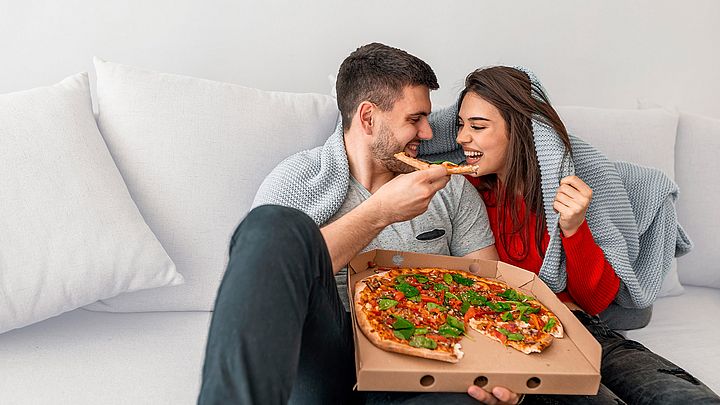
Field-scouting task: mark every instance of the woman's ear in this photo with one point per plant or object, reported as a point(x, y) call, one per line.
point(366, 110)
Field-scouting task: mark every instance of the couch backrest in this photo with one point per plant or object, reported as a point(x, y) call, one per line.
point(193, 153)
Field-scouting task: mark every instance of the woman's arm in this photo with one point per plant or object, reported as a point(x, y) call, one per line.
point(591, 280)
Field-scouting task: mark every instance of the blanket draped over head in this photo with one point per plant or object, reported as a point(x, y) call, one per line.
point(632, 214)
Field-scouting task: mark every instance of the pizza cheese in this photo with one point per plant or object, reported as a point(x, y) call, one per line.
point(425, 312)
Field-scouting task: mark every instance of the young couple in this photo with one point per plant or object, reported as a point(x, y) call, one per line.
point(281, 331)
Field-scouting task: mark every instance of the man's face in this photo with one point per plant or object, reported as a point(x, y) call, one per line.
point(402, 128)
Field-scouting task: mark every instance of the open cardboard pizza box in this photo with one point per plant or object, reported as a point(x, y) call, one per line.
point(571, 365)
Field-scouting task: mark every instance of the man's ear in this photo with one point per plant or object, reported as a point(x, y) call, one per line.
point(366, 110)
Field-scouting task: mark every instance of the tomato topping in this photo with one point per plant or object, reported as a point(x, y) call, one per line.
point(455, 303)
point(427, 298)
point(437, 338)
point(469, 314)
point(399, 296)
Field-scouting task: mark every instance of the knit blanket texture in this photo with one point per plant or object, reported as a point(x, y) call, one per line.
point(632, 215)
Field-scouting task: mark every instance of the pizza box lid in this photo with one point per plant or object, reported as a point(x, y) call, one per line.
point(570, 365)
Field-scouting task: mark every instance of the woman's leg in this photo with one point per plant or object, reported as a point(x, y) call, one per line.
point(639, 376)
point(279, 332)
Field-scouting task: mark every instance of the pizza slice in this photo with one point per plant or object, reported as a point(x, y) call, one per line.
point(451, 167)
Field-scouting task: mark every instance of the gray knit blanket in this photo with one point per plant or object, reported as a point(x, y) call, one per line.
point(632, 215)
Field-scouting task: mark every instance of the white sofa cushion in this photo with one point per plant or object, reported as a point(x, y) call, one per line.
point(645, 137)
point(90, 358)
point(683, 330)
point(193, 153)
point(697, 168)
point(69, 232)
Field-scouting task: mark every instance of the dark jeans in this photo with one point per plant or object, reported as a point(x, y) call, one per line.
point(280, 333)
point(633, 374)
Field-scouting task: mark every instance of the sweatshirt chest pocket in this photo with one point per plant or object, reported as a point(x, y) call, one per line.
point(432, 235)
point(433, 241)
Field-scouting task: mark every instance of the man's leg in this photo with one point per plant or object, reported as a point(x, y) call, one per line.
point(639, 376)
point(279, 331)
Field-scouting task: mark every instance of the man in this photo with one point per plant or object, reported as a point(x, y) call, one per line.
point(280, 331)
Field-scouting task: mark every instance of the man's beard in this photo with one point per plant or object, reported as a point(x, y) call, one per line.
point(383, 149)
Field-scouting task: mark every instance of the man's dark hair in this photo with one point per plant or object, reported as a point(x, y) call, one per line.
point(378, 73)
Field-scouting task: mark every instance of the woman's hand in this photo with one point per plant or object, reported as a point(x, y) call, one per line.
point(571, 202)
point(498, 396)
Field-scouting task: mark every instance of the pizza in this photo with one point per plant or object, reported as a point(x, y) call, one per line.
point(426, 312)
point(451, 167)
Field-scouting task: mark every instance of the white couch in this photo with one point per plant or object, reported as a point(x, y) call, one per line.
point(192, 153)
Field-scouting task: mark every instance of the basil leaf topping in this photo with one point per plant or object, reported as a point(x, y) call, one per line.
point(385, 303)
point(407, 289)
point(455, 323)
point(549, 325)
point(424, 342)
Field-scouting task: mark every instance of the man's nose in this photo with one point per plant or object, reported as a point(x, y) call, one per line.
point(425, 131)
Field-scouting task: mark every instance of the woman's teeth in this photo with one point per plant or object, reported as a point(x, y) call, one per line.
point(472, 157)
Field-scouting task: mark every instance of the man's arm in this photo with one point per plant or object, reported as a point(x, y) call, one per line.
point(401, 199)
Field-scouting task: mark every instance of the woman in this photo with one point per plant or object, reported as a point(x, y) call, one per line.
point(537, 183)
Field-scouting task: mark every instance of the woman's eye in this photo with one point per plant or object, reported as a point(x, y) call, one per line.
point(459, 124)
point(477, 128)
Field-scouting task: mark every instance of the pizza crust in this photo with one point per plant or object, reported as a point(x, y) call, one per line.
point(420, 165)
point(391, 345)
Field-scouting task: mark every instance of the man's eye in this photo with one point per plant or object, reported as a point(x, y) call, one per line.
point(459, 124)
point(477, 128)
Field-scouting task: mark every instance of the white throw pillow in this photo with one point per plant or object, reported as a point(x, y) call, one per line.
point(193, 153)
point(69, 232)
point(645, 137)
point(697, 168)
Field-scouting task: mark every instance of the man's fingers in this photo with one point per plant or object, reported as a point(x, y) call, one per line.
point(482, 395)
point(435, 172)
point(505, 395)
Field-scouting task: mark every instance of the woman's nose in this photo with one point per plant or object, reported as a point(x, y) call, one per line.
point(462, 136)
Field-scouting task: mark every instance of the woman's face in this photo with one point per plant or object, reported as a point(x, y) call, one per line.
point(483, 135)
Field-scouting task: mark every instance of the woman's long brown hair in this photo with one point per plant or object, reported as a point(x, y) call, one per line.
point(519, 101)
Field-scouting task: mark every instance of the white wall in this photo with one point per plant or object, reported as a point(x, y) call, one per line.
point(600, 53)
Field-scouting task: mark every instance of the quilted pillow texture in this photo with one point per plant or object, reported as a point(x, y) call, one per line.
point(193, 153)
point(70, 233)
point(645, 137)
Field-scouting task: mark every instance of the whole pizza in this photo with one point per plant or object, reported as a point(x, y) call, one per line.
point(425, 312)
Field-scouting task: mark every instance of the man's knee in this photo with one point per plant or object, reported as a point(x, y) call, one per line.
point(276, 223)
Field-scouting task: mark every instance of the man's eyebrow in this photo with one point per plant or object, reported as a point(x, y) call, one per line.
point(420, 113)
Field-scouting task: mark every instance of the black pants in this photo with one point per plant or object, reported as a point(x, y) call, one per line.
point(280, 333)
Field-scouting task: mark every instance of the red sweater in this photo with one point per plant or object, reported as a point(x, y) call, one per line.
point(591, 280)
